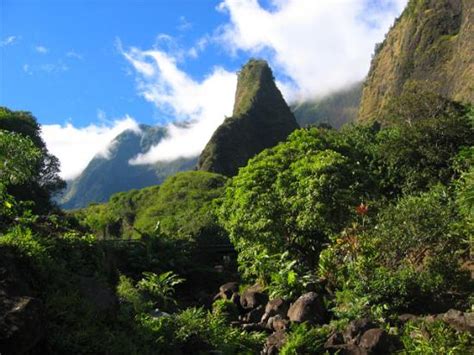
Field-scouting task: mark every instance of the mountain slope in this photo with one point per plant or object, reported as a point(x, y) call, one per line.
point(335, 109)
point(261, 118)
point(106, 176)
point(432, 42)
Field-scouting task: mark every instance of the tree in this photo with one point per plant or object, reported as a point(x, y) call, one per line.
point(43, 179)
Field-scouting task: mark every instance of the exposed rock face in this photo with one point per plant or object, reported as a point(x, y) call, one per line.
point(261, 119)
point(431, 42)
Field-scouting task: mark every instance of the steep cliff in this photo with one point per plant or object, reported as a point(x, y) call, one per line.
point(432, 43)
point(261, 119)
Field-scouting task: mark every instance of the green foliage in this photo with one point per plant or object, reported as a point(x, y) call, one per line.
point(37, 169)
point(304, 339)
point(291, 198)
point(435, 338)
point(419, 150)
point(159, 289)
point(225, 309)
point(197, 331)
point(408, 261)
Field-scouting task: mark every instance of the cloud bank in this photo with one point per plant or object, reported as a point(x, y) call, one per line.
point(198, 106)
point(317, 47)
point(75, 147)
point(322, 46)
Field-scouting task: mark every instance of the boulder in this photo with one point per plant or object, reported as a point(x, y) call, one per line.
point(227, 290)
point(459, 320)
point(274, 343)
point(334, 340)
point(376, 341)
point(253, 297)
point(254, 315)
point(277, 306)
point(277, 323)
point(355, 329)
point(307, 308)
point(406, 317)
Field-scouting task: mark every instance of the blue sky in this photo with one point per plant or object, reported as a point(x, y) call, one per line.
point(88, 69)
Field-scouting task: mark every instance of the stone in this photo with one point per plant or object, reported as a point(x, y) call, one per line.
point(253, 297)
point(277, 306)
point(459, 320)
point(406, 317)
point(334, 339)
point(355, 329)
point(277, 323)
point(254, 315)
point(375, 341)
point(307, 308)
point(274, 343)
point(229, 288)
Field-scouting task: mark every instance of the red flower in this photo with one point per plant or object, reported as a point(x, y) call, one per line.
point(362, 209)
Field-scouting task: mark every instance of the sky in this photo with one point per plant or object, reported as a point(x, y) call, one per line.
point(89, 69)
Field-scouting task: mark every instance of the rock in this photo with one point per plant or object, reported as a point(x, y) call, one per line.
point(21, 324)
point(277, 323)
point(277, 306)
point(459, 320)
point(274, 343)
point(261, 119)
point(376, 341)
point(355, 329)
point(254, 315)
point(229, 288)
point(253, 297)
point(227, 291)
point(352, 349)
point(307, 308)
point(334, 340)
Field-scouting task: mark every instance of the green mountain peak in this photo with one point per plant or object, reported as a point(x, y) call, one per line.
point(261, 119)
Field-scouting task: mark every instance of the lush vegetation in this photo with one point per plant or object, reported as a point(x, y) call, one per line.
point(377, 219)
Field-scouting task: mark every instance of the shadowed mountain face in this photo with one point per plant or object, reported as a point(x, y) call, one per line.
point(335, 109)
point(106, 176)
point(431, 43)
point(261, 119)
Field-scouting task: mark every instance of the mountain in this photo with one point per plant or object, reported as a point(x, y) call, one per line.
point(261, 119)
point(432, 43)
point(334, 109)
point(105, 176)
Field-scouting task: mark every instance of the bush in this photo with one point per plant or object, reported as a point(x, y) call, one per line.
point(435, 338)
point(304, 339)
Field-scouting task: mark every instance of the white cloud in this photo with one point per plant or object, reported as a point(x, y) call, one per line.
point(75, 147)
point(184, 24)
point(202, 106)
point(41, 49)
point(8, 41)
point(75, 55)
point(314, 47)
point(321, 45)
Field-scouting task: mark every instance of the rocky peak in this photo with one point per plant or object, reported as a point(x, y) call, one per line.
point(261, 119)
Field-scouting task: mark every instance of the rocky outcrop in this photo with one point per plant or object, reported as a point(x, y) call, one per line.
point(261, 119)
point(431, 43)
